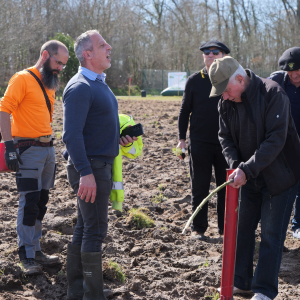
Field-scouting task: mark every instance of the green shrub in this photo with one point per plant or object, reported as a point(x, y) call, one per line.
point(161, 187)
point(117, 270)
point(134, 91)
point(177, 151)
point(139, 219)
point(159, 198)
point(120, 92)
point(214, 296)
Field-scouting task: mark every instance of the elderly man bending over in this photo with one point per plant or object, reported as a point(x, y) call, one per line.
point(260, 141)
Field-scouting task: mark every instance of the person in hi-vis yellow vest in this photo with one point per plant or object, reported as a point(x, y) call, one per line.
point(132, 150)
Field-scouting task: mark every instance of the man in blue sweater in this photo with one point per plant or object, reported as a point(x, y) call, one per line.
point(92, 138)
point(289, 80)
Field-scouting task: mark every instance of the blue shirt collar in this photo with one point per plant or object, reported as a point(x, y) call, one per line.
point(90, 74)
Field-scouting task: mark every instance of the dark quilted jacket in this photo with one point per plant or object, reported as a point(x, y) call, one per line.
point(278, 147)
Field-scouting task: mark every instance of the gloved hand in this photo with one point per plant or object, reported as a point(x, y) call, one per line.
point(12, 157)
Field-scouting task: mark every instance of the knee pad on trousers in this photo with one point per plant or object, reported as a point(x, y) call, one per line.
point(44, 198)
point(31, 209)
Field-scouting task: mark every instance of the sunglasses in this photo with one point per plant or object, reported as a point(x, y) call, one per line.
point(214, 51)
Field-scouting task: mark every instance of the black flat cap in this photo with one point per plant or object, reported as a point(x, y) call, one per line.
point(215, 43)
point(290, 59)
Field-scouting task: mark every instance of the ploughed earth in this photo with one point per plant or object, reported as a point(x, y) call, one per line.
point(159, 262)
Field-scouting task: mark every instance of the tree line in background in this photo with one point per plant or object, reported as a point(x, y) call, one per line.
point(149, 34)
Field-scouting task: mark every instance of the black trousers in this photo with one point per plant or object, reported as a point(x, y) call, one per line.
point(202, 156)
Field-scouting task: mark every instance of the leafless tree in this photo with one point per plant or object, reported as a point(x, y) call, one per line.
point(156, 34)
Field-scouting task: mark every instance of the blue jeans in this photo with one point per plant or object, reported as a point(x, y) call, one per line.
point(91, 228)
point(296, 218)
point(274, 213)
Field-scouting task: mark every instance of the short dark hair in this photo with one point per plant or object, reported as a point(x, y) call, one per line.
point(52, 47)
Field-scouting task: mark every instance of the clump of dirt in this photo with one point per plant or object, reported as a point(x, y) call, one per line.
point(159, 263)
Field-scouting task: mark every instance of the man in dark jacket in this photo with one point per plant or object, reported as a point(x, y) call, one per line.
point(260, 142)
point(204, 147)
point(289, 80)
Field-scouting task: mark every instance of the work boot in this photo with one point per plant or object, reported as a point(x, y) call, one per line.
point(28, 265)
point(46, 260)
point(259, 296)
point(296, 233)
point(92, 276)
point(198, 236)
point(236, 290)
point(74, 272)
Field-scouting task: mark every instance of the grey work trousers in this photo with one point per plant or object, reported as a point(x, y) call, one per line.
point(34, 179)
point(91, 228)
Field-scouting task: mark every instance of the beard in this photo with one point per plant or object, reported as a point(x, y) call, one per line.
point(49, 78)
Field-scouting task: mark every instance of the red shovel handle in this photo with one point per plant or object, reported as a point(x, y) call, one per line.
point(229, 245)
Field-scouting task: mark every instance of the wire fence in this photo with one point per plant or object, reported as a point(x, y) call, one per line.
point(155, 81)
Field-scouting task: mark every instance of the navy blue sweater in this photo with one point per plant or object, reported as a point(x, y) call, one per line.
point(91, 122)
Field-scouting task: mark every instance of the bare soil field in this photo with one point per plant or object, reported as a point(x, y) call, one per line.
point(159, 262)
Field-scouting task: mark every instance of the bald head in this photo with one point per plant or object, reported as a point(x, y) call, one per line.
point(53, 58)
point(53, 46)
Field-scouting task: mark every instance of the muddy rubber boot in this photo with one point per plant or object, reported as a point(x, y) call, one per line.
point(74, 273)
point(92, 274)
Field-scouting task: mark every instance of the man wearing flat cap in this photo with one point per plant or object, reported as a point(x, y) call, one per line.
point(260, 141)
point(289, 80)
point(204, 147)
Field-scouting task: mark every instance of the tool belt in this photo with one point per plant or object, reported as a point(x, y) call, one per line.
point(29, 143)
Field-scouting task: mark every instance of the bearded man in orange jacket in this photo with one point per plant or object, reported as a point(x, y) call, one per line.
point(29, 151)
